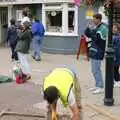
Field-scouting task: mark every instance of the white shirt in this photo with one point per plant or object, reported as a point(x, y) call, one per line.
point(71, 98)
point(24, 19)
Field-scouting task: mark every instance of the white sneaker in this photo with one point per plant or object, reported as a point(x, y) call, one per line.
point(98, 91)
point(117, 84)
point(92, 89)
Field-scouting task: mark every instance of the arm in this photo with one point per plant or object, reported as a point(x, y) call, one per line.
point(8, 33)
point(75, 111)
point(34, 28)
point(73, 106)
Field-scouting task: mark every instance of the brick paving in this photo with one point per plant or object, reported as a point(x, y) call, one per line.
point(41, 69)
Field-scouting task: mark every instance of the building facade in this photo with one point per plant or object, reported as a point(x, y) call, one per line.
point(64, 22)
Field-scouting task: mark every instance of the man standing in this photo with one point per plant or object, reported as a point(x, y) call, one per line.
point(98, 34)
point(38, 34)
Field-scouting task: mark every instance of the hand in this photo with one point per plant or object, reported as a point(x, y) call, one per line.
point(77, 57)
point(74, 118)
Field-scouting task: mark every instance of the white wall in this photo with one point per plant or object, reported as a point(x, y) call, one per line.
point(34, 1)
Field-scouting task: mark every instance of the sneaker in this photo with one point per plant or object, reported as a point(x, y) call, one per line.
point(98, 91)
point(92, 89)
point(117, 84)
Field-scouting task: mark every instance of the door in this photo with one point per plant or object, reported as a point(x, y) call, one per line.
point(3, 23)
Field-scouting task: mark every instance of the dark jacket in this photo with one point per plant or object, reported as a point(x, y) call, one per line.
point(12, 35)
point(116, 44)
point(98, 43)
point(24, 41)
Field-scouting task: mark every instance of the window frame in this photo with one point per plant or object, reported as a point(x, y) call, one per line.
point(64, 8)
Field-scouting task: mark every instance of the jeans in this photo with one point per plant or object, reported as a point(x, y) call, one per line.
point(96, 71)
point(14, 53)
point(116, 73)
point(36, 44)
point(23, 60)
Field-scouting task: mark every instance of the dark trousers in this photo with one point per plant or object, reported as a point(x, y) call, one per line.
point(116, 73)
point(14, 55)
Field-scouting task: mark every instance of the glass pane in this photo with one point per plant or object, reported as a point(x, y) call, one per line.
point(54, 21)
point(71, 22)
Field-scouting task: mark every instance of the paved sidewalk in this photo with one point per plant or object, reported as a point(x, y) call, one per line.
point(82, 67)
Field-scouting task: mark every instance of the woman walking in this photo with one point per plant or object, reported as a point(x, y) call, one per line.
point(22, 48)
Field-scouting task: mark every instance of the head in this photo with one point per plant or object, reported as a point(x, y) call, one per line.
point(36, 19)
point(51, 94)
point(26, 25)
point(97, 18)
point(12, 21)
point(116, 28)
point(24, 13)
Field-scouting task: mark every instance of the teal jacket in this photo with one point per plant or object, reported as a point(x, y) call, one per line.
point(99, 36)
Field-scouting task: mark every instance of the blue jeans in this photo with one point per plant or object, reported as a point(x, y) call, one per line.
point(96, 71)
point(36, 45)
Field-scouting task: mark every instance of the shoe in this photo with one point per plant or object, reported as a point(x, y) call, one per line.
point(28, 77)
point(92, 89)
point(33, 57)
point(37, 59)
point(117, 84)
point(98, 91)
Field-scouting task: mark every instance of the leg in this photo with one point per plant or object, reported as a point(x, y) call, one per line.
point(116, 73)
point(24, 63)
point(96, 71)
point(38, 47)
point(12, 51)
point(37, 57)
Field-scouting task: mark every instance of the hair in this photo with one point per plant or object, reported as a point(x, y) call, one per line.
point(26, 24)
point(117, 25)
point(12, 21)
point(24, 13)
point(97, 16)
point(51, 94)
point(36, 19)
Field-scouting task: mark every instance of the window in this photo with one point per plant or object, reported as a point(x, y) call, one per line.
point(18, 14)
point(60, 19)
point(54, 21)
point(71, 21)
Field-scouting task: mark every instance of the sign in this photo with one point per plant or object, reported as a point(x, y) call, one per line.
point(89, 14)
point(7, 0)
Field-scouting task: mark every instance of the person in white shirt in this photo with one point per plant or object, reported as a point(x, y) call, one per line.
point(25, 18)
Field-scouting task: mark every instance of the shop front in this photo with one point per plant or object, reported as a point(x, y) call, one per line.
point(64, 22)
